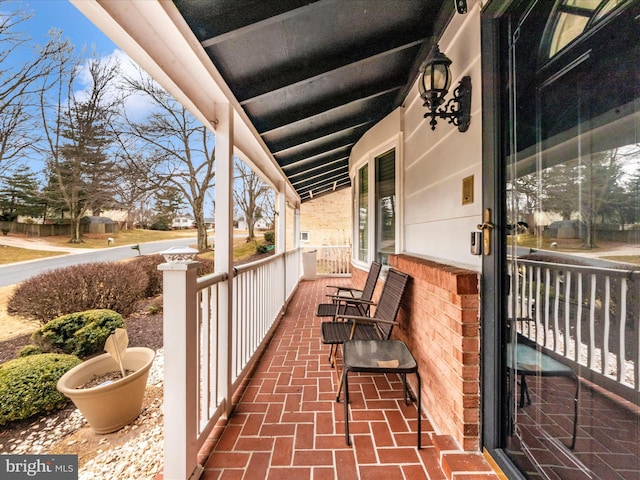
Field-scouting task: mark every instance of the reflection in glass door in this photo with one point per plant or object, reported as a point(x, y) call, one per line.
point(573, 235)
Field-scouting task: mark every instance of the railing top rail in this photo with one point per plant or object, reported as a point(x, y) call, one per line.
point(211, 279)
point(620, 272)
point(245, 267)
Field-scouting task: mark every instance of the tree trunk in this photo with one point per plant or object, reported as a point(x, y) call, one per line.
point(198, 213)
point(75, 231)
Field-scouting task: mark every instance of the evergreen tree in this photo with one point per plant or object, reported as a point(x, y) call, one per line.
point(19, 194)
point(169, 202)
point(80, 166)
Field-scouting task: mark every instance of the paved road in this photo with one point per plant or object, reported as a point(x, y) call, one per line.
point(19, 272)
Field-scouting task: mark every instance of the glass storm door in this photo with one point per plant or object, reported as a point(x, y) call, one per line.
point(572, 193)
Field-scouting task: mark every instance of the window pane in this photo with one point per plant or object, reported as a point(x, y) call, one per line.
point(569, 27)
point(363, 214)
point(386, 206)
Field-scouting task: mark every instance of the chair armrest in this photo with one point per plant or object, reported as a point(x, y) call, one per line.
point(351, 300)
point(357, 318)
point(340, 288)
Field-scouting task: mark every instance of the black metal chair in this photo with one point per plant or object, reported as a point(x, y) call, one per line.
point(343, 295)
point(350, 301)
point(368, 327)
point(366, 292)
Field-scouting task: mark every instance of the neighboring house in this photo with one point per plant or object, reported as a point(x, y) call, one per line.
point(117, 215)
point(261, 224)
point(326, 219)
point(182, 222)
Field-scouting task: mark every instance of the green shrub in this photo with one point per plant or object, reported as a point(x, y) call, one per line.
point(270, 237)
point(30, 350)
point(80, 333)
point(28, 385)
point(161, 224)
point(104, 285)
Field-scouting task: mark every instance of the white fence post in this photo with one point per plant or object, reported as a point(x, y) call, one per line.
point(180, 369)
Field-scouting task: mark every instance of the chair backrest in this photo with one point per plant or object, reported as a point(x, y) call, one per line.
point(389, 302)
point(372, 279)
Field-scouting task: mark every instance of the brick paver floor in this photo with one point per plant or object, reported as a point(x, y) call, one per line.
point(288, 424)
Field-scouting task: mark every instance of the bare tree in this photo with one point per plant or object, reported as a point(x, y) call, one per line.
point(179, 149)
point(20, 84)
point(77, 126)
point(134, 191)
point(251, 196)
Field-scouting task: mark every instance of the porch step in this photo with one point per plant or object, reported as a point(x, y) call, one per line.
point(460, 465)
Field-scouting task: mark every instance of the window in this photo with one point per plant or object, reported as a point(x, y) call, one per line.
point(573, 17)
point(363, 213)
point(382, 202)
point(385, 206)
point(304, 236)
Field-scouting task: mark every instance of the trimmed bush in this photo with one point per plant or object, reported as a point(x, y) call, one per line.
point(205, 267)
point(104, 285)
point(150, 263)
point(30, 350)
point(80, 333)
point(28, 385)
point(270, 237)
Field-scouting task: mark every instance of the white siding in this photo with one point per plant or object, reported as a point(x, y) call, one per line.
point(435, 224)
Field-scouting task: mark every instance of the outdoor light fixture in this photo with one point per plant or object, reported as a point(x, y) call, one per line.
point(434, 83)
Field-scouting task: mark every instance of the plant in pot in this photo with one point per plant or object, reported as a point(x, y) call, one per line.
point(109, 389)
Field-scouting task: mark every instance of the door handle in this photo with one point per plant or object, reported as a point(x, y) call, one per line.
point(486, 226)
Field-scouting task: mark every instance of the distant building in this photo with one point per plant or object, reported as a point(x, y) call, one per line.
point(183, 222)
point(186, 221)
point(261, 224)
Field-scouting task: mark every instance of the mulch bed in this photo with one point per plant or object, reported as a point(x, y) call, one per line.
point(143, 328)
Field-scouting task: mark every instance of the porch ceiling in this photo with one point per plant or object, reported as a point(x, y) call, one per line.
point(314, 76)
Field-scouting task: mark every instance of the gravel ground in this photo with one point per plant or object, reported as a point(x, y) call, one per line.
point(134, 452)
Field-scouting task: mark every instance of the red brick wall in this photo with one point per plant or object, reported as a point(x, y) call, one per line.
point(327, 219)
point(439, 323)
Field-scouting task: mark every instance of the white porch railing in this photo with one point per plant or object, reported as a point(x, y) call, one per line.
point(206, 356)
point(333, 260)
point(587, 316)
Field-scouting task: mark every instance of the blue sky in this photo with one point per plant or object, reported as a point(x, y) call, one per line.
point(63, 15)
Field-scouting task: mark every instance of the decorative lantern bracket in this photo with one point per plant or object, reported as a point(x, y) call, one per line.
point(457, 110)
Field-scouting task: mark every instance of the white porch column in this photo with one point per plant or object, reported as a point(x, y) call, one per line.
point(180, 369)
point(281, 208)
point(224, 244)
point(296, 228)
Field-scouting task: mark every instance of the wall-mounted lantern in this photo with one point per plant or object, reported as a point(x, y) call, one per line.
point(434, 83)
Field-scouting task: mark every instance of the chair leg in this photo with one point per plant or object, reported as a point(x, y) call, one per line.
point(331, 361)
point(340, 381)
point(524, 391)
point(575, 412)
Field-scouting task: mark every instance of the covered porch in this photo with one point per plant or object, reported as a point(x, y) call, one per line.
point(287, 424)
point(316, 98)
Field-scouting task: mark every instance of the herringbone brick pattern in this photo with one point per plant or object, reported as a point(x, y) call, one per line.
point(288, 424)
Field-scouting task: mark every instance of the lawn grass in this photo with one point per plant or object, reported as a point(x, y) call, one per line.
point(241, 248)
point(634, 259)
point(15, 254)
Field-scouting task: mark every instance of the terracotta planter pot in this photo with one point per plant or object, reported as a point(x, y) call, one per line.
point(109, 407)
